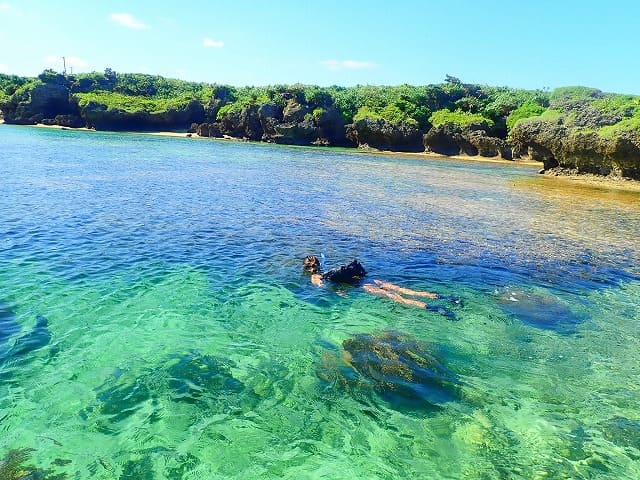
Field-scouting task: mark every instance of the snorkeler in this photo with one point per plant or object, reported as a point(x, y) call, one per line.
point(350, 274)
point(353, 274)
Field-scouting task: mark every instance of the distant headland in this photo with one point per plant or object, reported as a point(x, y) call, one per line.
point(571, 129)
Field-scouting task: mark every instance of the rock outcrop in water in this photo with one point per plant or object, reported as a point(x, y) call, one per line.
point(576, 128)
point(562, 145)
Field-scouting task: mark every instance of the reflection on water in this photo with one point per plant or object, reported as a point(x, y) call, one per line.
point(155, 322)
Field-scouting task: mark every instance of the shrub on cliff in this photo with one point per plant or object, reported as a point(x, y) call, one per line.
point(390, 113)
point(137, 92)
point(415, 102)
point(10, 83)
point(502, 101)
point(51, 76)
point(630, 124)
point(241, 98)
point(525, 111)
point(138, 84)
point(458, 117)
point(568, 98)
point(132, 103)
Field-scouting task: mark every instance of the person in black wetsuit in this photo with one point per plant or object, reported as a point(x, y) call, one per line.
point(354, 273)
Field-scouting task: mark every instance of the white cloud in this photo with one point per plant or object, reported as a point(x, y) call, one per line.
point(4, 6)
point(127, 20)
point(207, 42)
point(3, 68)
point(55, 61)
point(337, 65)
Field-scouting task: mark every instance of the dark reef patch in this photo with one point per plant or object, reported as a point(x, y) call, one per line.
point(201, 380)
point(399, 368)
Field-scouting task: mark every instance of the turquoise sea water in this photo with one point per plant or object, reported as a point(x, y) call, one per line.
point(155, 322)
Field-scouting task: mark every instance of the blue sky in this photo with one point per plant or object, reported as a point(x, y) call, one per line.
point(525, 44)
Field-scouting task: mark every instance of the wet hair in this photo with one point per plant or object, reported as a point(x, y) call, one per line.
point(351, 274)
point(311, 264)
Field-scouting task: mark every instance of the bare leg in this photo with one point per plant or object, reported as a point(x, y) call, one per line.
point(381, 292)
point(406, 291)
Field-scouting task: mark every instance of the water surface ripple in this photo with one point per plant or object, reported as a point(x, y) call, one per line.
point(155, 323)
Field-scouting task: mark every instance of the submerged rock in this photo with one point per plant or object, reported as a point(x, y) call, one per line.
point(391, 364)
point(538, 310)
point(34, 340)
point(14, 466)
point(622, 432)
point(8, 326)
point(193, 378)
point(20, 353)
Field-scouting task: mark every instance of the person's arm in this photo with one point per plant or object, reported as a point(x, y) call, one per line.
point(316, 279)
point(406, 291)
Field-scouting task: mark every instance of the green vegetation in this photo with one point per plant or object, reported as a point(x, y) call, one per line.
point(631, 124)
point(568, 97)
point(413, 105)
point(137, 92)
point(569, 119)
point(240, 98)
point(502, 101)
point(452, 101)
point(10, 84)
point(132, 103)
point(549, 116)
point(584, 110)
point(390, 113)
point(525, 111)
point(614, 104)
point(457, 117)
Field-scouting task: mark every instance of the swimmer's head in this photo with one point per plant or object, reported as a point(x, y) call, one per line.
point(311, 264)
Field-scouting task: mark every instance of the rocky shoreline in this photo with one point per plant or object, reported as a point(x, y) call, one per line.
point(581, 131)
point(608, 182)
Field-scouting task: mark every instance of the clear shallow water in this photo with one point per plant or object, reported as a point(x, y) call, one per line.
point(154, 321)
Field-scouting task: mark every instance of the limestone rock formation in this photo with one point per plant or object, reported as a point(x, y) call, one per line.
point(573, 147)
point(472, 139)
point(100, 117)
point(384, 135)
point(43, 101)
